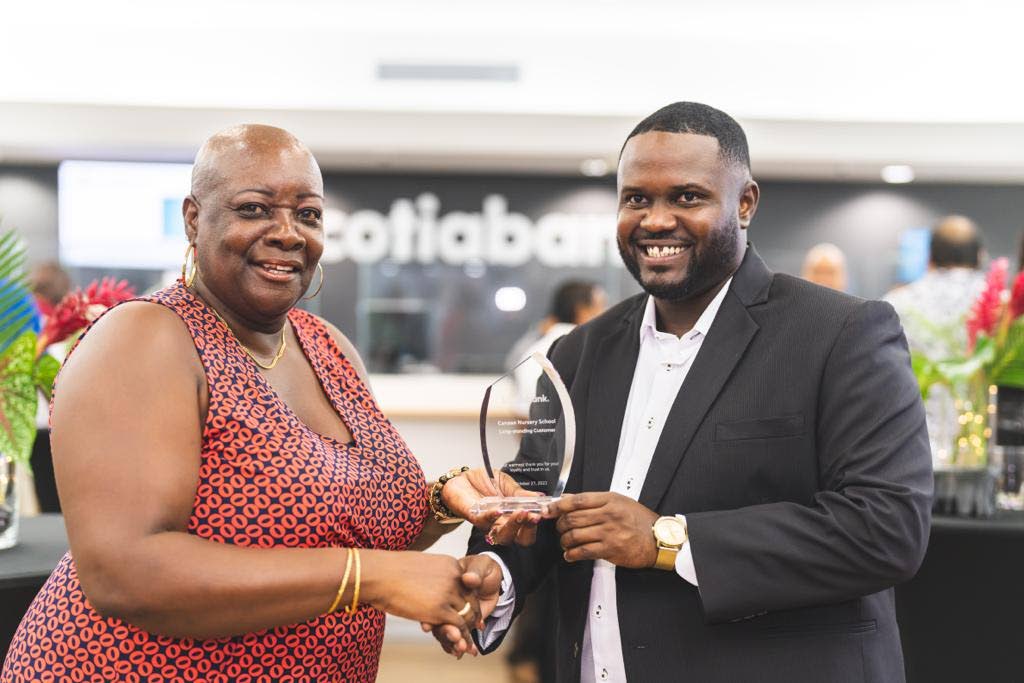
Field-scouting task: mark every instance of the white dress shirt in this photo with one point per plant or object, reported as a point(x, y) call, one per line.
point(662, 365)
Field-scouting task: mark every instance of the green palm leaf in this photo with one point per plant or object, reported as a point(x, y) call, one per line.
point(18, 398)
point(17, 312)
point(18, 368)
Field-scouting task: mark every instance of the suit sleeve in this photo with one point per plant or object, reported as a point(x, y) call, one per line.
point(867, 528)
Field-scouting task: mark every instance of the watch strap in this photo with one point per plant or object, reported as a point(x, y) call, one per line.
point(666, 558)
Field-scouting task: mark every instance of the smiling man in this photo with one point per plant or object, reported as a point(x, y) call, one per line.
point(754, 474)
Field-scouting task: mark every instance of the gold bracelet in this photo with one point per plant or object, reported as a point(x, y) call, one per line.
point(344, 584)
point(355, 591)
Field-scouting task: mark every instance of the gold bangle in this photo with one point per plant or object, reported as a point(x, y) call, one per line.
point(344, 583)
point(355, 591)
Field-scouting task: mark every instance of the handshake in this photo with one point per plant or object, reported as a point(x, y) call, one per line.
point(591, 526)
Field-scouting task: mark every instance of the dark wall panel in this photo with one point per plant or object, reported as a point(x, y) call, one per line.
point(446, 313)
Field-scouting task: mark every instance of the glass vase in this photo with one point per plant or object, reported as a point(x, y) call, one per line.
point(966, 483)
point(974, 409)
point(9, 515)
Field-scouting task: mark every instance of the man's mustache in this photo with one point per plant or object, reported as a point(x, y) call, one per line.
point(640, 234)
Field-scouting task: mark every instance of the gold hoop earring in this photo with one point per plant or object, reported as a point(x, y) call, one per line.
point(321, 286)
point(189, 277)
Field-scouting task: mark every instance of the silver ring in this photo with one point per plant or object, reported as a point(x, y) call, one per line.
point(465, 610)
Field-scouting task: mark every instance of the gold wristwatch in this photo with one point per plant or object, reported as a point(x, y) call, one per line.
point(669, 535)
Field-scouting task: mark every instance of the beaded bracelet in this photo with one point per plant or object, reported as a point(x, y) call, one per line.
point(442, 513)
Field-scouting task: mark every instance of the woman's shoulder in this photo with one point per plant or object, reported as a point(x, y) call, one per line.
point(138, 330)
point(140, 315)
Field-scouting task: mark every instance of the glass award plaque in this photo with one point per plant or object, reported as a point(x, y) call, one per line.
point(529, 435)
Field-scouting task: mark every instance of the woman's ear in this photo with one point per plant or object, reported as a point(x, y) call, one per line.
point(190, 214)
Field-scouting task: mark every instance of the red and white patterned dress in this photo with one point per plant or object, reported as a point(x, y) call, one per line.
point(265, 480)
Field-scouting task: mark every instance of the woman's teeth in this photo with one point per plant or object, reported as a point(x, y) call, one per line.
point(657, 252)
point(279, 269)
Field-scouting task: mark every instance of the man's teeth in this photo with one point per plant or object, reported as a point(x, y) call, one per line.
point(657, 252)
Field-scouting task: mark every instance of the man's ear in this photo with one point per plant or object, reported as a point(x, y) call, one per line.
point(748, 203)
point(190, 213)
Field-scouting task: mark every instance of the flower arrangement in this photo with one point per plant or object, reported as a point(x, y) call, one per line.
point(993, 356)
point(27, 328)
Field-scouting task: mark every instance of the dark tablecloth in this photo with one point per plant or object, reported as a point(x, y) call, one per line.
point(962, 617)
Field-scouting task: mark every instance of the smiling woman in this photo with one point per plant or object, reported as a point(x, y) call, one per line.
point(229, 482)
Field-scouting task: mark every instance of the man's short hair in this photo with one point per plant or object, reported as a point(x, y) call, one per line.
point(955, 242)
point(569, 297)
point(699, 119)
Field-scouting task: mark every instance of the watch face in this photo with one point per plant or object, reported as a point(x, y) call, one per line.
point(670, 531)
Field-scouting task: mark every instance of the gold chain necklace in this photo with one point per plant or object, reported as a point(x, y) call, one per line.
point(257, 361)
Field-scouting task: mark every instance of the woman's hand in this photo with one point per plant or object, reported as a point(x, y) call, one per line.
point(460, 493)
point(424, 587)
point(482, 574)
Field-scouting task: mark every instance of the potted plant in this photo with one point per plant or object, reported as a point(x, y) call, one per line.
point(26, 369)
point(993, 357)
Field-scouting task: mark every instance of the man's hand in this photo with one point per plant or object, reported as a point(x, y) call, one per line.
point(605, 526)
point(482, 575)
point(460, 493)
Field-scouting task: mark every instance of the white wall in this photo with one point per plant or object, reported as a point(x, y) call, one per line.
point(824, 88)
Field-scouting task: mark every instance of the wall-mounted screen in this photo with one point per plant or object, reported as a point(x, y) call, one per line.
point(122, 215)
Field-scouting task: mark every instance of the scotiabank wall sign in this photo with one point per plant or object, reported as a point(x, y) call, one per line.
point(402, 219)
point(420, 230)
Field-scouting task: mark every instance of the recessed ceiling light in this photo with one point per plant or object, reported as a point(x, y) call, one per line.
point(898, 174)
point(595, 168)
point(510, 299)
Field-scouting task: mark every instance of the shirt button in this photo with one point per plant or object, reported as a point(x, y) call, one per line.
point(650, 423)
point(629, 484)
point(604, 674)
point(597, 611)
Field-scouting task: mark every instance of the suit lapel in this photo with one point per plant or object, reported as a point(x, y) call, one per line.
point(727, 340)
point(606, 400)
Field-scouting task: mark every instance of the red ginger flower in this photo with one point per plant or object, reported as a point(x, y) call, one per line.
point(108, 292)
point(1017, 297)
point(984, 315)
point(44, 306)
point(78, 309)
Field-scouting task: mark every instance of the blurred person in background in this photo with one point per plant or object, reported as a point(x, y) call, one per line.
point(236, 502)
point(577, 291)
point(49, 282)
point(933, 310)
point(933, 307)
point(825, 265)
point(575, 302)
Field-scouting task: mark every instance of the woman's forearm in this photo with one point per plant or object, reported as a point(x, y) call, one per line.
point(177, 584)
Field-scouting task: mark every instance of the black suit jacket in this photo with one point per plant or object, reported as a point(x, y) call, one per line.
point(797, 450)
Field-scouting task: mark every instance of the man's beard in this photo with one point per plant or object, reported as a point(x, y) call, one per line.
point(707, 268)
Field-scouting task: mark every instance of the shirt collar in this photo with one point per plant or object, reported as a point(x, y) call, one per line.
point(649, 323)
